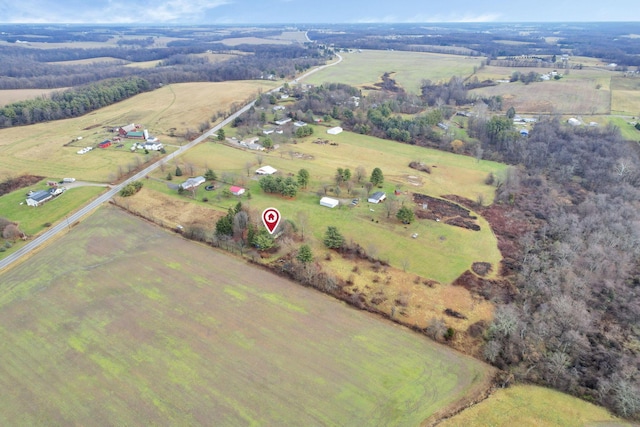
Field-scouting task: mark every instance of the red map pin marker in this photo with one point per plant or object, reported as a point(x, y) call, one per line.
point(271, 219)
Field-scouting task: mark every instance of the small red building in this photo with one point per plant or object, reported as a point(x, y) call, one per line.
point(104, 144)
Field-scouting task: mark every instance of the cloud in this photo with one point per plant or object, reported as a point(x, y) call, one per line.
point(110, 11)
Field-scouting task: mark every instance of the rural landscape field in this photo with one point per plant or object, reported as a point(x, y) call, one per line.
point(122, 320)
point(503, 253)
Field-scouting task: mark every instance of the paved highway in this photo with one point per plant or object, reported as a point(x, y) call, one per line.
point(94, 204)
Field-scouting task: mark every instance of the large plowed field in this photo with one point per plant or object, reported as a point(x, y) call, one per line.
point(123, 323)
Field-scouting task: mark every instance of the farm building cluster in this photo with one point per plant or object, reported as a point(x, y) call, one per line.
point(132, 131)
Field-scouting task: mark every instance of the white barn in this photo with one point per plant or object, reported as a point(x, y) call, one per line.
point(266, 170)
point(334, 131)
point(329, 202)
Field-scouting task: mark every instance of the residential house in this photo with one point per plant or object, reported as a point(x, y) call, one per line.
point(236, 191)
point(192, 183)
point(39, 197)
point(283, 121)
point(152, 146)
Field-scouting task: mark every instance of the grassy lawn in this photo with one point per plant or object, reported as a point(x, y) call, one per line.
point(441, 252)
point(137, 325)
point(32, 220)
point(524, 405)
point(410, 68)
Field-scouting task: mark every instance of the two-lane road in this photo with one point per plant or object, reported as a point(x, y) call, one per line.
point(94, 204)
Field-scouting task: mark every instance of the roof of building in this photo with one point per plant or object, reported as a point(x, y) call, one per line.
point(266, 170)
point(328, 201)
point(129, 128)
point(192, 182)
point(236, 189)
point(378, 195)
point(40, 195)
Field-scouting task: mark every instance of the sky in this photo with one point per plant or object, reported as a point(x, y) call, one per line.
point(305, 11)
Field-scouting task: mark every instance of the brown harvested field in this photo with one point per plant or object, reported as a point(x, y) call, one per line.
point(41, 149)
point(135, 325)
point(168, 211)
point(9, 96)
point(575, 94)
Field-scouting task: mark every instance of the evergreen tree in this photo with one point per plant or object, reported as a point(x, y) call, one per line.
point(332, 238)
point(224, 226)
point(178, 171)
point(376, 177)
point(303, 178)
point(221, 135)
point(405, 215)
point(304, 254)
point(263, 240)
point(210, 175)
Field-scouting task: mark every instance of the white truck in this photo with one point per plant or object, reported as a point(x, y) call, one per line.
point(67, 180)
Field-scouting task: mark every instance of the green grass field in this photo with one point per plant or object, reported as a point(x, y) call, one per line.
point(525, 406)
point(410, 68)
point(441, 252)
point(33, 220)
point(123, 323)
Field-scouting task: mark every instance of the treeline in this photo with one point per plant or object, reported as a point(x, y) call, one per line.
point(573, 325)
point(22, 68)
point(606, 41)
point(72, 102)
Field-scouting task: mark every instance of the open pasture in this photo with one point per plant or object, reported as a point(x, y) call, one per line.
point(580, 93)
point(364, 68)
point(526, 405)
point(625, 96)
point(123, 323)
point(40, 148)
point(9, 96)
point(441, 252)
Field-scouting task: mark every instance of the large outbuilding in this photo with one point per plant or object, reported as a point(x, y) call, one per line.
point(329, 202)
point(377, 197)
point(334, 131)
point(266, 170)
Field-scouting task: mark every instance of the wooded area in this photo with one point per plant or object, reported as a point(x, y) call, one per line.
point(573, 324)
